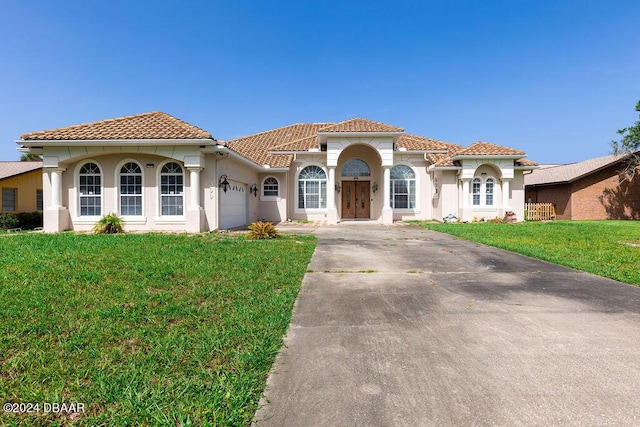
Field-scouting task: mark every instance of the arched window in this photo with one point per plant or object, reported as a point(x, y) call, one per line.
point(355, 167)
point(270, 187)
point(488, 189)
point(403, 187)
point(475, 191)
point(312, 188)
point(130, 189)
point(90, 190)
point(171, 189)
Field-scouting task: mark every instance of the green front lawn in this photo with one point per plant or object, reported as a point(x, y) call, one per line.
point(144, 329)
point(606, 248)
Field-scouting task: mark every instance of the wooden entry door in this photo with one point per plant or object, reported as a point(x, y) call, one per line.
point(355, 199)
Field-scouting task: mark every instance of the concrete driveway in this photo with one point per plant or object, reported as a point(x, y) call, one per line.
point(396, 325)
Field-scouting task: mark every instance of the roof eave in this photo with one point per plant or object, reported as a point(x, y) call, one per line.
point(487, 156)
point(112, 142)
point(360, 134)
point(444, 168)
point(408, 150)
point(226, 150)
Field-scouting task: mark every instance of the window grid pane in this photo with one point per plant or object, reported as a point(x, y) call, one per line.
point(90, 186)
point(489, 192)
point(312, 188)
point(39, 200)
point(131, 189)
point(8, 199)
point(475, 190)
point(171, 189)
point(270, 187)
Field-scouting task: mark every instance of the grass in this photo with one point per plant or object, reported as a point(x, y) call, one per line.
point(144, 329)
point(598, 247)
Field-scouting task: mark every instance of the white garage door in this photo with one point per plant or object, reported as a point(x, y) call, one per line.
point(233, 205)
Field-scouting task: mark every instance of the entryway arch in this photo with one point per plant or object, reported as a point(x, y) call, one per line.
point(358, 177)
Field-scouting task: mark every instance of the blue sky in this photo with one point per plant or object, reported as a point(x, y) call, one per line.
point(553, 78)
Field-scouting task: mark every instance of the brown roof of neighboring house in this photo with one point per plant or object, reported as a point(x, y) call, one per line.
point(153, 125)
point(9, 169)
point(570, 172)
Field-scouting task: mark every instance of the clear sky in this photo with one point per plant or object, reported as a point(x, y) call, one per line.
point(554, 78)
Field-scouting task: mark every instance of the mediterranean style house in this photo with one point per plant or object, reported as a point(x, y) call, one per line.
point(161, 173)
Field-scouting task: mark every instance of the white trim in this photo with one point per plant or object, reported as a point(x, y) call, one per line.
point(132, 218)
point(170, 218)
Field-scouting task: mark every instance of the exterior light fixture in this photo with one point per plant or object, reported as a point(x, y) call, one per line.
point(254, 189)
point(338, 188)
point(374, 187)
point(224, 183)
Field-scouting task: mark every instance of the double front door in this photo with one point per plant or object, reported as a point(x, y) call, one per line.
point(355, 199)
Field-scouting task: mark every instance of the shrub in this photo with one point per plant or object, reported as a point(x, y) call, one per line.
point(109, 224)
point(29, 220)
point(262, 230)
point(8, 221)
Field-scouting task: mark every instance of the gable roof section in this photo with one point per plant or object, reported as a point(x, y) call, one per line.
point(445, 159)
point(563, 174)
point(262, 147)
point(486, 149)
point(296, 137)
point(361, 125)
point(416, 142)
point(153, 125)
point(9, 169)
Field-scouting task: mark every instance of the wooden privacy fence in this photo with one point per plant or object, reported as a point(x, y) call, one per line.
point(539, 211)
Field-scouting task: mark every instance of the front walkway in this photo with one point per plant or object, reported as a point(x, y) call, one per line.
point(396, 325)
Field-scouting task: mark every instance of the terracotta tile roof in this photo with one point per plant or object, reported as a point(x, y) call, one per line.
point(154, 125)
point(361, 125)
point(525, 162)
point(9, 169)
point(445, 159)
point(486, 149)
point(571, 172)
point(416, 142)
point(296, 137)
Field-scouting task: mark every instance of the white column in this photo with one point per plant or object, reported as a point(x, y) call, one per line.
point(387, 212)
point(505, 194)
point(195, 187)
point(332, 211)
point(386, 187)
point(56, 188)
point(465, 193)
point(331, 191)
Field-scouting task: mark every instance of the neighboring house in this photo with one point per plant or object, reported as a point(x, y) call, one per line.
point(161, 173)
point(21, 186)
point(586, 190)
